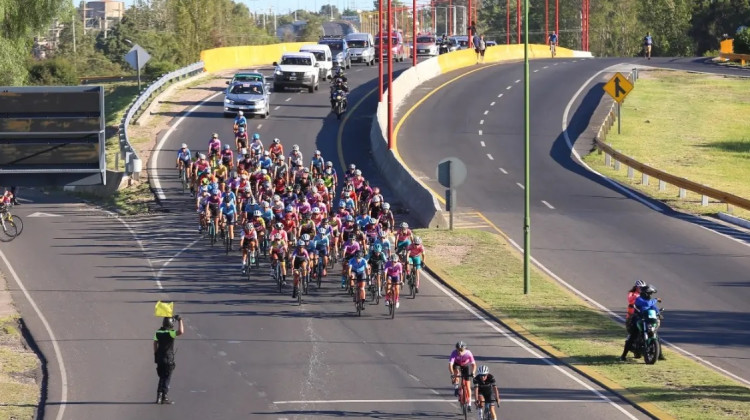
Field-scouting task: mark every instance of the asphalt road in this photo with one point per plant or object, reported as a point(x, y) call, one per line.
point(587, 232)
point(250, 352)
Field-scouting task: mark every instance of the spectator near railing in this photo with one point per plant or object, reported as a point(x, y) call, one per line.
point(133, 164)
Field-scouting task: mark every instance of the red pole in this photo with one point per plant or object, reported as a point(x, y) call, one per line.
point(588, 21)
point(414, 32)
point(470, 28)
point(546, 21)
point(518, 21)
point(390, 78)
point(557, 17)
point(380, 42)
point(507, 26)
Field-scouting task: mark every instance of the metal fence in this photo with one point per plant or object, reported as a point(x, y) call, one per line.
point(128, 155)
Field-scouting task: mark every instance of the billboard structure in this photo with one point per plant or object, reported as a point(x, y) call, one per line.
point(52, 136)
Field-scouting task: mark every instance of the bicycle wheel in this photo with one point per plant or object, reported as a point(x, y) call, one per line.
point(299, 293)
point(392, 308)
point(211, 232)
point(227, 242)
point(413, 285)
point(9, 231)
point(16, 221)
point(320, 273)
point(279, 278)
point(359, 308)
point(183, 180)
point(257, 258)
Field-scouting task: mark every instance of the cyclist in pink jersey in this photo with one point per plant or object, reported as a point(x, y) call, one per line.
point(415, 256)
point(462, 360)
point(403, 237)
point(394, 272)
point(351, 246)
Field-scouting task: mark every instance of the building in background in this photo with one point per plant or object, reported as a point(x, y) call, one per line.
point(102, 15)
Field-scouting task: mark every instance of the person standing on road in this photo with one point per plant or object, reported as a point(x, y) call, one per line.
point(476, 40)
point(647, 43)
point(481, 47)
point(164, 355)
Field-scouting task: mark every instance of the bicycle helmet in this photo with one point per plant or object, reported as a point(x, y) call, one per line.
point(276, 141)
point(342, 203)
point(358, 254)
point(376, 199)
point(184, 146)
point(240, 113)
point(300, 243)
point(289, 208)
point(214, 192)
point(256, 136)
point(227, 199)
point(248, 190)
point(242, 130)
point(257, 213)
point(279, 225)
point(394, 258)
point(386, 206)
point(281, 157)
point(266, 153)
point(264, 203)
point(461, 345)
point(357, 172)
point(234, 174)
point(317, 153)
point(382, 234)
point(215, 135)
point(417, 240)
point(349, 218)
point(305, 237)
point(295, 148)
point(640, 283)
point(404, 225)
point(248, 226)
point(316, 210)
point(264, 171)
point(322, 231)
point(377, 248)
point(329, 164)
point(352, 167)
point(483, 370)
point(305, 169)
point(376, 190)
point(201, 156)
point(226, 147)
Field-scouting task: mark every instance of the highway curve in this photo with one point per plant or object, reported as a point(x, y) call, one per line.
point(250, 352)
point(589, 233)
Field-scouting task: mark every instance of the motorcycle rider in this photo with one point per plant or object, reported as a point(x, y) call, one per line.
point(339, 86)
point(642, 305)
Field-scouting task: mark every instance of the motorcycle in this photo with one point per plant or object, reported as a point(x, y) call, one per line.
point(338, 103)
point(444, 47)
point(647, 342)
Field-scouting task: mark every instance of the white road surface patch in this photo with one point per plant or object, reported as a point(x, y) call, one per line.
point(481, 122)
point(482, 143)
point(545, 67)
point(517, 81)
point(503, 171)
point(548, 205)
point(287, 99)
point(380, 353)
point(55, 346)
point(535, 71)
point(480, 132)
point(520, 185)
point(277, 107)
point(490, 156)
point(501, 95)
point(40, 214)
point(259, 126)
point(508, 88)
point(486, 112)
point(492, 103)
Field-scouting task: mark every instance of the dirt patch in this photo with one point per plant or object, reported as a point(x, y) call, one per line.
point(452, 254)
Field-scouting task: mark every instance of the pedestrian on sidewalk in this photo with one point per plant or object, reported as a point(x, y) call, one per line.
point(164, 355)
point(481, 47)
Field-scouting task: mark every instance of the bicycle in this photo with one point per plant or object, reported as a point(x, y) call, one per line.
point(228, 242)
point(10, 231)
point(276, 274)
point(319, 270)
point(6, 215)
point(183, 177)
point(212, 232)
point(373, 287)
point(483, 407)
point(463, 396)
point(411, 281)
point(300, 282)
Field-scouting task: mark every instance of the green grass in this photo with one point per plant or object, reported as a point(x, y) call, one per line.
point(117, 97)
point(679, 386)
point(19, 392)
point(128, 201)
point(690, 125)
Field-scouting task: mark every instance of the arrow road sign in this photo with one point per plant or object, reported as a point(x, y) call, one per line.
point(618, 87)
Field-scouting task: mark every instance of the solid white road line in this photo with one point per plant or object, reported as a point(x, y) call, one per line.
point(503, 171)
point(432, 400)
point(482, 143)
point(520, 185)
point(548, 205)
point(56, 348)
point(154, 166)
point(490, 156)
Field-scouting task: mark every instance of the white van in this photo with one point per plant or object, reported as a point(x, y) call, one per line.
point(361, 48)
point(323, 56)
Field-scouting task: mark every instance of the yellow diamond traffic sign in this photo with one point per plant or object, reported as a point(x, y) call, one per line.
point(618, 87)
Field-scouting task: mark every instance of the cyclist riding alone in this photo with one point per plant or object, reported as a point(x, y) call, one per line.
point(240, 121)
point(647, 43)
point(552, 38)
point(462, 365)
point(184, 158)
point(485, 389)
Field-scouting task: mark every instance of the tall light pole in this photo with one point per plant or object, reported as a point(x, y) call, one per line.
point(380, 52)
point(527, 187)
point(390, 78)
point(414, 32)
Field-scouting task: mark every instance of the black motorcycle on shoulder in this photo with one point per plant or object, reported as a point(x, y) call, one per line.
point(444, 47)
point(646, 342)
point(339, 102)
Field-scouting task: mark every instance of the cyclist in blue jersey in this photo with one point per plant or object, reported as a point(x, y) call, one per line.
point(240, 121)
point(647, 43)
point(229, 213)
point(184, 158)
point(322, 247)
point(359, 270)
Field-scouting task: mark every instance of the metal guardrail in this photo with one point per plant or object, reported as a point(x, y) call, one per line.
point(128, 155)
point(662, 177)
point(742, 58)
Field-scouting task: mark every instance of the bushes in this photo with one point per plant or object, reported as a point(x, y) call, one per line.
point(742, 42)
point(155, 69)
point(53, 71)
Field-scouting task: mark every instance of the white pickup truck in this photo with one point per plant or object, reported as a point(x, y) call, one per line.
point(297, 70)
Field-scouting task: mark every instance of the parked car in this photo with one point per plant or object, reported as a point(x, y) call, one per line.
point(426, 45)
point(489, 43)
point(462, 41)
point(296, 70)
point(361, 48)
point(252, 98)
point(400, 53)
point(339, 50)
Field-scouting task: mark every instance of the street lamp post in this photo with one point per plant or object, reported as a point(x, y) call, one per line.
point(390, 78)
point(380, 52)
point(527, 187)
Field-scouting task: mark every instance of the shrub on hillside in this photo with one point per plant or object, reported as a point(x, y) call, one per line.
point(155, 69)
point(742, 42)
point(53, 71)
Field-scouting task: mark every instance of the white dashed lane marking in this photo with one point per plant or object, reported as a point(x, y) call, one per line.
point(486, 112)
point(277, 107)
point(503, 171)
point(520, 185)
point(500, 95)
point(546, 67)
point(481, 122)
point(492, 103)
point(536, 71)
point(287, 99)
point(508, 88)
point(490, 156)
point(548, 205)
point(482, 143)
point(259, 126)
point(480, 132)
point(517, 81)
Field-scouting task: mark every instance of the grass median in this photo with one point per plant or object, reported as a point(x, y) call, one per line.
point(19, 390)
point(485, 267)
point(691, 125)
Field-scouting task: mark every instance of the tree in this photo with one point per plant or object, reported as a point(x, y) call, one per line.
point(329, 11)
point(312, 30)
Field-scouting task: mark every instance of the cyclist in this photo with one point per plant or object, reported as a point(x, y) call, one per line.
point(221, 172)
point(227, 156)
point(386, 216)
point(265, 161)
point(240, 121)
point(316, 164)
point(278, 253)
point(300, 258)
point(322, 247)
point(384, 242)
point(260, 225)
point(184, 158)
point(276, 149)
point(394, 274)
point(229, 214)
point(281, 169)
point(462, 365)
point(485, 389)
point(241, 139)
point(256, 146)
point(375, 207)
point(214, 146)
point(201, 203)
point(371, 231)
point(403, 237)
point(351, 247)
point(201, 167)
point(349, 174)
point(359, 271)
point(377, 259)
point(295, 158)
point(415, 256)
point(647, 43)
point(330, 180)
point(553, 43)
point(248, 242)
point(212, 210)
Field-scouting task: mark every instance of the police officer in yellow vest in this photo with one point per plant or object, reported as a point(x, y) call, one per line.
point(164, 355)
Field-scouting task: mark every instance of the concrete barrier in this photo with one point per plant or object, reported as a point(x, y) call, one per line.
point(413, 192)
point(226, 58)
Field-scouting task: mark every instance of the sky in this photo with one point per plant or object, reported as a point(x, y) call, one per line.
point(284, 6)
